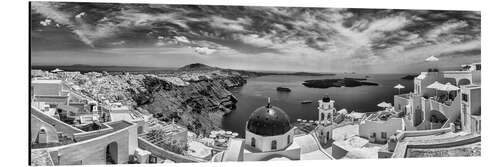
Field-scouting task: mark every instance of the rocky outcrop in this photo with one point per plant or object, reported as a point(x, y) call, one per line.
point(199, 106)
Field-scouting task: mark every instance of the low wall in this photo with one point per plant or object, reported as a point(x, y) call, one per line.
point(417, 133)
point(59, 125)
point(92, 134)
point(162, 153)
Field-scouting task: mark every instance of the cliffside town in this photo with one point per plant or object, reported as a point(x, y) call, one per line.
point(194, 97)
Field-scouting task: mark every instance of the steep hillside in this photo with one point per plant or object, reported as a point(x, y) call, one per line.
point(199, 105)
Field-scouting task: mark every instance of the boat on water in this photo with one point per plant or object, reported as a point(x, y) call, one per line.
point(283, 89)
point(306, 102)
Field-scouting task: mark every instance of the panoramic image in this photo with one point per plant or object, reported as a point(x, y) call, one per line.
point(117, 83)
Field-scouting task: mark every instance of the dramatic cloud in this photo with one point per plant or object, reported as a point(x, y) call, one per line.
point(311, 39)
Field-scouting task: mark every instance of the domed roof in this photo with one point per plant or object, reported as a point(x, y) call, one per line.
point(326, 99)
point(269, 121)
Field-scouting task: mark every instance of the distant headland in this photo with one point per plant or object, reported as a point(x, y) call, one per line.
point(345, 82)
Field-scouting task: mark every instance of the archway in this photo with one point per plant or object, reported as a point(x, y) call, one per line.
point(112, 153)
point(437, 119)
point(463, 82)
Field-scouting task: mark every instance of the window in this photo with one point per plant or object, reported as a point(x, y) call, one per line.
point(465, 97)
point(374, 135)
point(288, 139)
point(384, 135)
point(253, 142)
point(274, 145)
point(322, 116)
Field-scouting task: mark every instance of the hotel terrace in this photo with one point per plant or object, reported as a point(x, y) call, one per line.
point(439, 121)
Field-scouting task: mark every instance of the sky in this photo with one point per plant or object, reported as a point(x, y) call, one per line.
point(252, 37)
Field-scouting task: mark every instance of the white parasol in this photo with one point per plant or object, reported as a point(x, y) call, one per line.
point(436, 86)
point(399, 87)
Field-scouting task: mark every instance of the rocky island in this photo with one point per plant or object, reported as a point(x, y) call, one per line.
point(409, 77)
point(345, 82)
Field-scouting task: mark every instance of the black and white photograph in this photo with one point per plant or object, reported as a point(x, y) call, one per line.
point(159, 83)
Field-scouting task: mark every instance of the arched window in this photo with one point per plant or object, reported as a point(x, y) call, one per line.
point(322, 116)
point(329, 116)
point(274, 144)
point(327, 135)
point(253, 142)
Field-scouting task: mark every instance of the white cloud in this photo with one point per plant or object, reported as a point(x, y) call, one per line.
point(255, 40)
point(388, 24)
point(228, 24)
point(445, 28)
point(204, 50)
point(181, 39)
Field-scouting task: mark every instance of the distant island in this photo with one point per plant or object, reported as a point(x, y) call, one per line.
point(83, 68)
point(346, 82)
point(283, 89)
point(409, 77)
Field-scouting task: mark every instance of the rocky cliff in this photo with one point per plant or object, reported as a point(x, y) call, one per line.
point(199, 106)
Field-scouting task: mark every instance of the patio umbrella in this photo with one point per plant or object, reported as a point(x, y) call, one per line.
point(449, 87)
point(304, 121)
point(299, 120)
point(384, 105)
point(432, 59)
point(311, 121)
point(235, 134)
point(436, 86)
point(212, 136)
point(221, 140)
point(399, 87)
point(228, 132)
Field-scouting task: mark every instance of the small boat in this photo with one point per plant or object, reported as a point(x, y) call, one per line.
point(306, 102)
point(283, 89)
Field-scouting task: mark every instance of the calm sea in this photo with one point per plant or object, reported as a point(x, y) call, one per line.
point(360, 99)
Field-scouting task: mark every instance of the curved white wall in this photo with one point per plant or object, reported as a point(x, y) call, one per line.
point(263, 143)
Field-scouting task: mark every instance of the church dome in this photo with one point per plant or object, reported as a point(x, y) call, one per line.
point(326, 99)
point(269, 121)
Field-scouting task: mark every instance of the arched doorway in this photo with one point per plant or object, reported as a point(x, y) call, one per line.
point(437, 119)
point(112, 153)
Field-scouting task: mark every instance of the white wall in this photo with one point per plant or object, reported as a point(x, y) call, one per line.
point(367, 128)
point(263, 143)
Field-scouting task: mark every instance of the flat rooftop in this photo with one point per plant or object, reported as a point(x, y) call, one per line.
point(46, 81)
